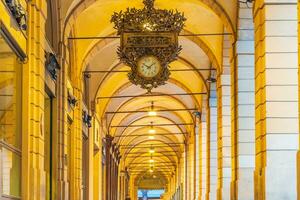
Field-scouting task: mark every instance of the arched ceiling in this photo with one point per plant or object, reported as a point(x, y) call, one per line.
point(124, 106)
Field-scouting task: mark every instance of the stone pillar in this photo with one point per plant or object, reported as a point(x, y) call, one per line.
point(203, 150)
point(276, 99)
point(76, 144)
point(212, 137)
point(224, 124)
point(197, 156)
point(244, 142)
point(298, 155)
point(186, 183)
point(33, 175)
point(191, 166)
point(108, 147)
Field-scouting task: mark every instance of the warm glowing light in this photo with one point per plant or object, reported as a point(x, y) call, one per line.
point(152, 113)
point(151, 137)
point(151, 150)
point(151, 170)
point(151, 161)
point(152, 131)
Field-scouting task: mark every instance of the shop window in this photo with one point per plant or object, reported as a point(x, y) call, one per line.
point(10, 122)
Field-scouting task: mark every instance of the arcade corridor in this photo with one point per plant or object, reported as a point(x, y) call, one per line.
point(149, 99)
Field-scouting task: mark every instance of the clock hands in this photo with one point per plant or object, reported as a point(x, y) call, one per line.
point(149, 66)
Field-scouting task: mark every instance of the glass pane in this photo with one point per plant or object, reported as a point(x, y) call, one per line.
point(11, 173)
point(10, 96)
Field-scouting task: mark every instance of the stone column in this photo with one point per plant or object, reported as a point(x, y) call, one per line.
point(212, 139)
point(244, 142)
point(191, 166)
point(224, 124)
point(197, 156)
point(277, 121)
point(109, 166)
point(204, 160)
point(33, 71)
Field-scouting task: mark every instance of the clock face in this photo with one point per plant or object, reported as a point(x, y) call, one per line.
point(148, 66)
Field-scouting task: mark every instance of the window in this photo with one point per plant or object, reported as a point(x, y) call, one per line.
point(10, 122)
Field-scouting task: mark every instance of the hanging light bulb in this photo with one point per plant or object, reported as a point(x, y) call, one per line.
point(151, 150)
point(151, 130)
point(151, 170)
point(152, 112)
point(151, 137)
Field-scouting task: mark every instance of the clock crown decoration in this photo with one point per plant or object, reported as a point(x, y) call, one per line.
point(136, 20)
point(148, 32)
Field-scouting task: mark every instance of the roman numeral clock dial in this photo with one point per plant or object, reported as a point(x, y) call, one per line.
point(148, 66)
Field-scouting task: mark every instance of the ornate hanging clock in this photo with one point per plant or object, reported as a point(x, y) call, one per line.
point(149, 42)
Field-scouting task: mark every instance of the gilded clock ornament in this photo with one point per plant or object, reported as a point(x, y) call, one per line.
point(149, 42)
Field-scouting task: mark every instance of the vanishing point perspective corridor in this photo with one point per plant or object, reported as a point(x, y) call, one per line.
point(149, 99)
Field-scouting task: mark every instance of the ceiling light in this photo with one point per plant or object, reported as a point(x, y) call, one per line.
point(151, 150)
point(151, 137)
point(152, 112)
point(151, 169)
point(151, 160)
point(151, 130)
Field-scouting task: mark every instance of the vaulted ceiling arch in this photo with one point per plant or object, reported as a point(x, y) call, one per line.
point(90, 18)
point(99, 45)
point(192, 99)
point(135, 122)
point(96, 22)
point(143, 105)
point(71, 9)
